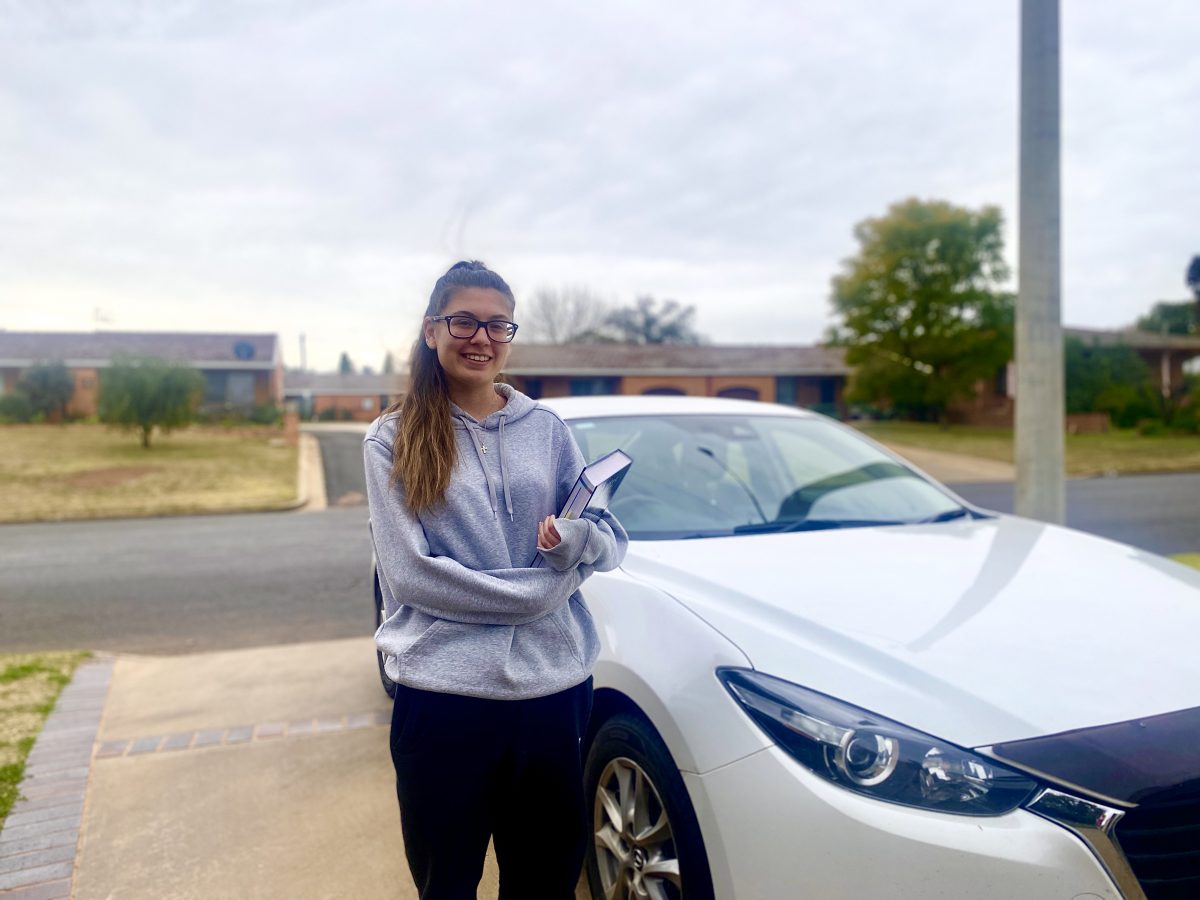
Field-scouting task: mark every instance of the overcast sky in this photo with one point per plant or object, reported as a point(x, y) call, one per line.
point(312, 166)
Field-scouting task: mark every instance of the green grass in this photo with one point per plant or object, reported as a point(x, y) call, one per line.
point(1122, 452)
point(52, 472)
point(29, 687)
point(1188, 559)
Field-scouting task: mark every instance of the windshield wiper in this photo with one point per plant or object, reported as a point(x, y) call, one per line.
point(948, 516)
point(790, 525)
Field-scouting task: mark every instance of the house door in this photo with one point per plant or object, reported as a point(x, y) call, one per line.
point(239, 389)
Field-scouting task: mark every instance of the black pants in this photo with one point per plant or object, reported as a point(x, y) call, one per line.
point(468, 769)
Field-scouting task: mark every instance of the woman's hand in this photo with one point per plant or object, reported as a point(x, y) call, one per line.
point(548, 536)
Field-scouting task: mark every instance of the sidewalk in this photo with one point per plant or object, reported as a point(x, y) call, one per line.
point(245, 774)
point(951, 468)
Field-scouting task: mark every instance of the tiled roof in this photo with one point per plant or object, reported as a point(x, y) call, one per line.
point(228, 350)
point(334, 383)
point(1131, 337)
point(617, 359)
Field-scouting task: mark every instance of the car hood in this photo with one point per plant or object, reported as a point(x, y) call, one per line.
point(977, 632)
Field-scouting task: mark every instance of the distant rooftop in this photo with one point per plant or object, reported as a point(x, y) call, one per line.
point(336, 383)
point(1139, 340)
point(674, 359)
point(97, 348)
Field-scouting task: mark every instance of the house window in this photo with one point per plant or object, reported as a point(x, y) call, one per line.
point(828, 390)
point(367, 404)
point(785, 390)
point(533, 388)
point(214, 387)
point(588, 387)
point(738, 393)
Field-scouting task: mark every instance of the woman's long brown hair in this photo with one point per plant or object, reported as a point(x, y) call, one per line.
point(425, 452)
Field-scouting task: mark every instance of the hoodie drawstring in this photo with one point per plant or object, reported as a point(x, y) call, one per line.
point(504, 471)
point(479, 456)
point(487, 475)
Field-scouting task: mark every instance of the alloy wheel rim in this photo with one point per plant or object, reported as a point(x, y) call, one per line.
point(635, 846)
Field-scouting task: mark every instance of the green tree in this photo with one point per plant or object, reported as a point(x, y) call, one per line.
point(49, 387)
point(345, 364)
point(1170, 318)
point(139, 393)
point(648, 321)
point(1113, 380)
point(920, 309)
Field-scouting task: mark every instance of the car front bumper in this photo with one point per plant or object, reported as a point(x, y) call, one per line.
point(775, 830)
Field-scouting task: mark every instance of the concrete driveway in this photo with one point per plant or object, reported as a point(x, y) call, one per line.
point(259, 773)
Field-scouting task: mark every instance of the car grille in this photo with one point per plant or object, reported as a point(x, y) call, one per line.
point(1161, 840)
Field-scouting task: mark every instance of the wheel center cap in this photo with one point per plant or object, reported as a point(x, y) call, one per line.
point(639, 858)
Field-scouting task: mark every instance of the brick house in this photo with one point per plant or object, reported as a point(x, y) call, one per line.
point(240, 371)
point(1166, 355)
point(809, 376)
point(358, 398)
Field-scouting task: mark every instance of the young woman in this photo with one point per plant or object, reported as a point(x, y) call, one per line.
point(492, 657)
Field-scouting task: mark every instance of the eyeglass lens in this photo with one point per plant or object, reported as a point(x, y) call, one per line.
point(465, 327)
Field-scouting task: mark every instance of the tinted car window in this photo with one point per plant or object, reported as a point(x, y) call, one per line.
point(707, 476)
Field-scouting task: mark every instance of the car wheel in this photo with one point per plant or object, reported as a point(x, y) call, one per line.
point(388, 684)
point(645, 840)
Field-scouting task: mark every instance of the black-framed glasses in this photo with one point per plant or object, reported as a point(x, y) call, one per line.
point(466, 327)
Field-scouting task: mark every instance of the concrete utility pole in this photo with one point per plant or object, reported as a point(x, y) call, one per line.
point(1040, 405)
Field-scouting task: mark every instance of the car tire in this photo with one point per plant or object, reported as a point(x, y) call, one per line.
point(660, 852)
point(388, 685)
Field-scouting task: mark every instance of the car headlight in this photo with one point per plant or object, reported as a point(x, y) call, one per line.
point(872, 755)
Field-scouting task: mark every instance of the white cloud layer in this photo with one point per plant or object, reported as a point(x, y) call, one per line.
point(312, 166)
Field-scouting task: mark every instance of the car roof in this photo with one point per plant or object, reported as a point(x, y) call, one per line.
point(662, 405)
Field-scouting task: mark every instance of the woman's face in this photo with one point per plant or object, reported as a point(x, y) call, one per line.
point(476, 361)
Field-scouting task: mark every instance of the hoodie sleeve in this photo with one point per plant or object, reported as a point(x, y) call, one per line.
point(438, 585)
point(592, 543)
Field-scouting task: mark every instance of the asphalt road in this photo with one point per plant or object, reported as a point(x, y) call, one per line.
point(1159, 513)
point(342, 462)
point(180, 585)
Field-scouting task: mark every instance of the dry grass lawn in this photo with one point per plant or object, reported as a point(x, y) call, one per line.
point(1123, 452)
point(53, 472)
point(29, 686)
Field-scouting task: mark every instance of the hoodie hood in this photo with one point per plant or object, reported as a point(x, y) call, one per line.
point(516, 407)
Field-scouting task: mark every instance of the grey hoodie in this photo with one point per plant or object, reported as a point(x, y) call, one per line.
point(464, 611)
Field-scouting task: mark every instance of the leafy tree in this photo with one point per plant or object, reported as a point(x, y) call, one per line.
point(15, 407)
point(389, 364)
point(49, 387)
point(920, 308)
point(1193, 277)
point(345, 364)
point(651, 322)
point(1170, 318)
point(562, 316)
point(1113, 380)
point(138, 393)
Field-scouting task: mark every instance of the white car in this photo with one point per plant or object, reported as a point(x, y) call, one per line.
point(825, 675)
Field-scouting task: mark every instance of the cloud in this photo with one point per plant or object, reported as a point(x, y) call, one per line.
point(313, 166)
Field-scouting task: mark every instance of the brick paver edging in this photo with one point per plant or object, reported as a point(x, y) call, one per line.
point(242, 734)
point(40, 835)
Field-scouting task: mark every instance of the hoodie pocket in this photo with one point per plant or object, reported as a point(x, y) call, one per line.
point(571, 633)
point(427, 636)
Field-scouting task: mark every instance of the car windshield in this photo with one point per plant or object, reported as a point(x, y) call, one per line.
point(699, 476)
